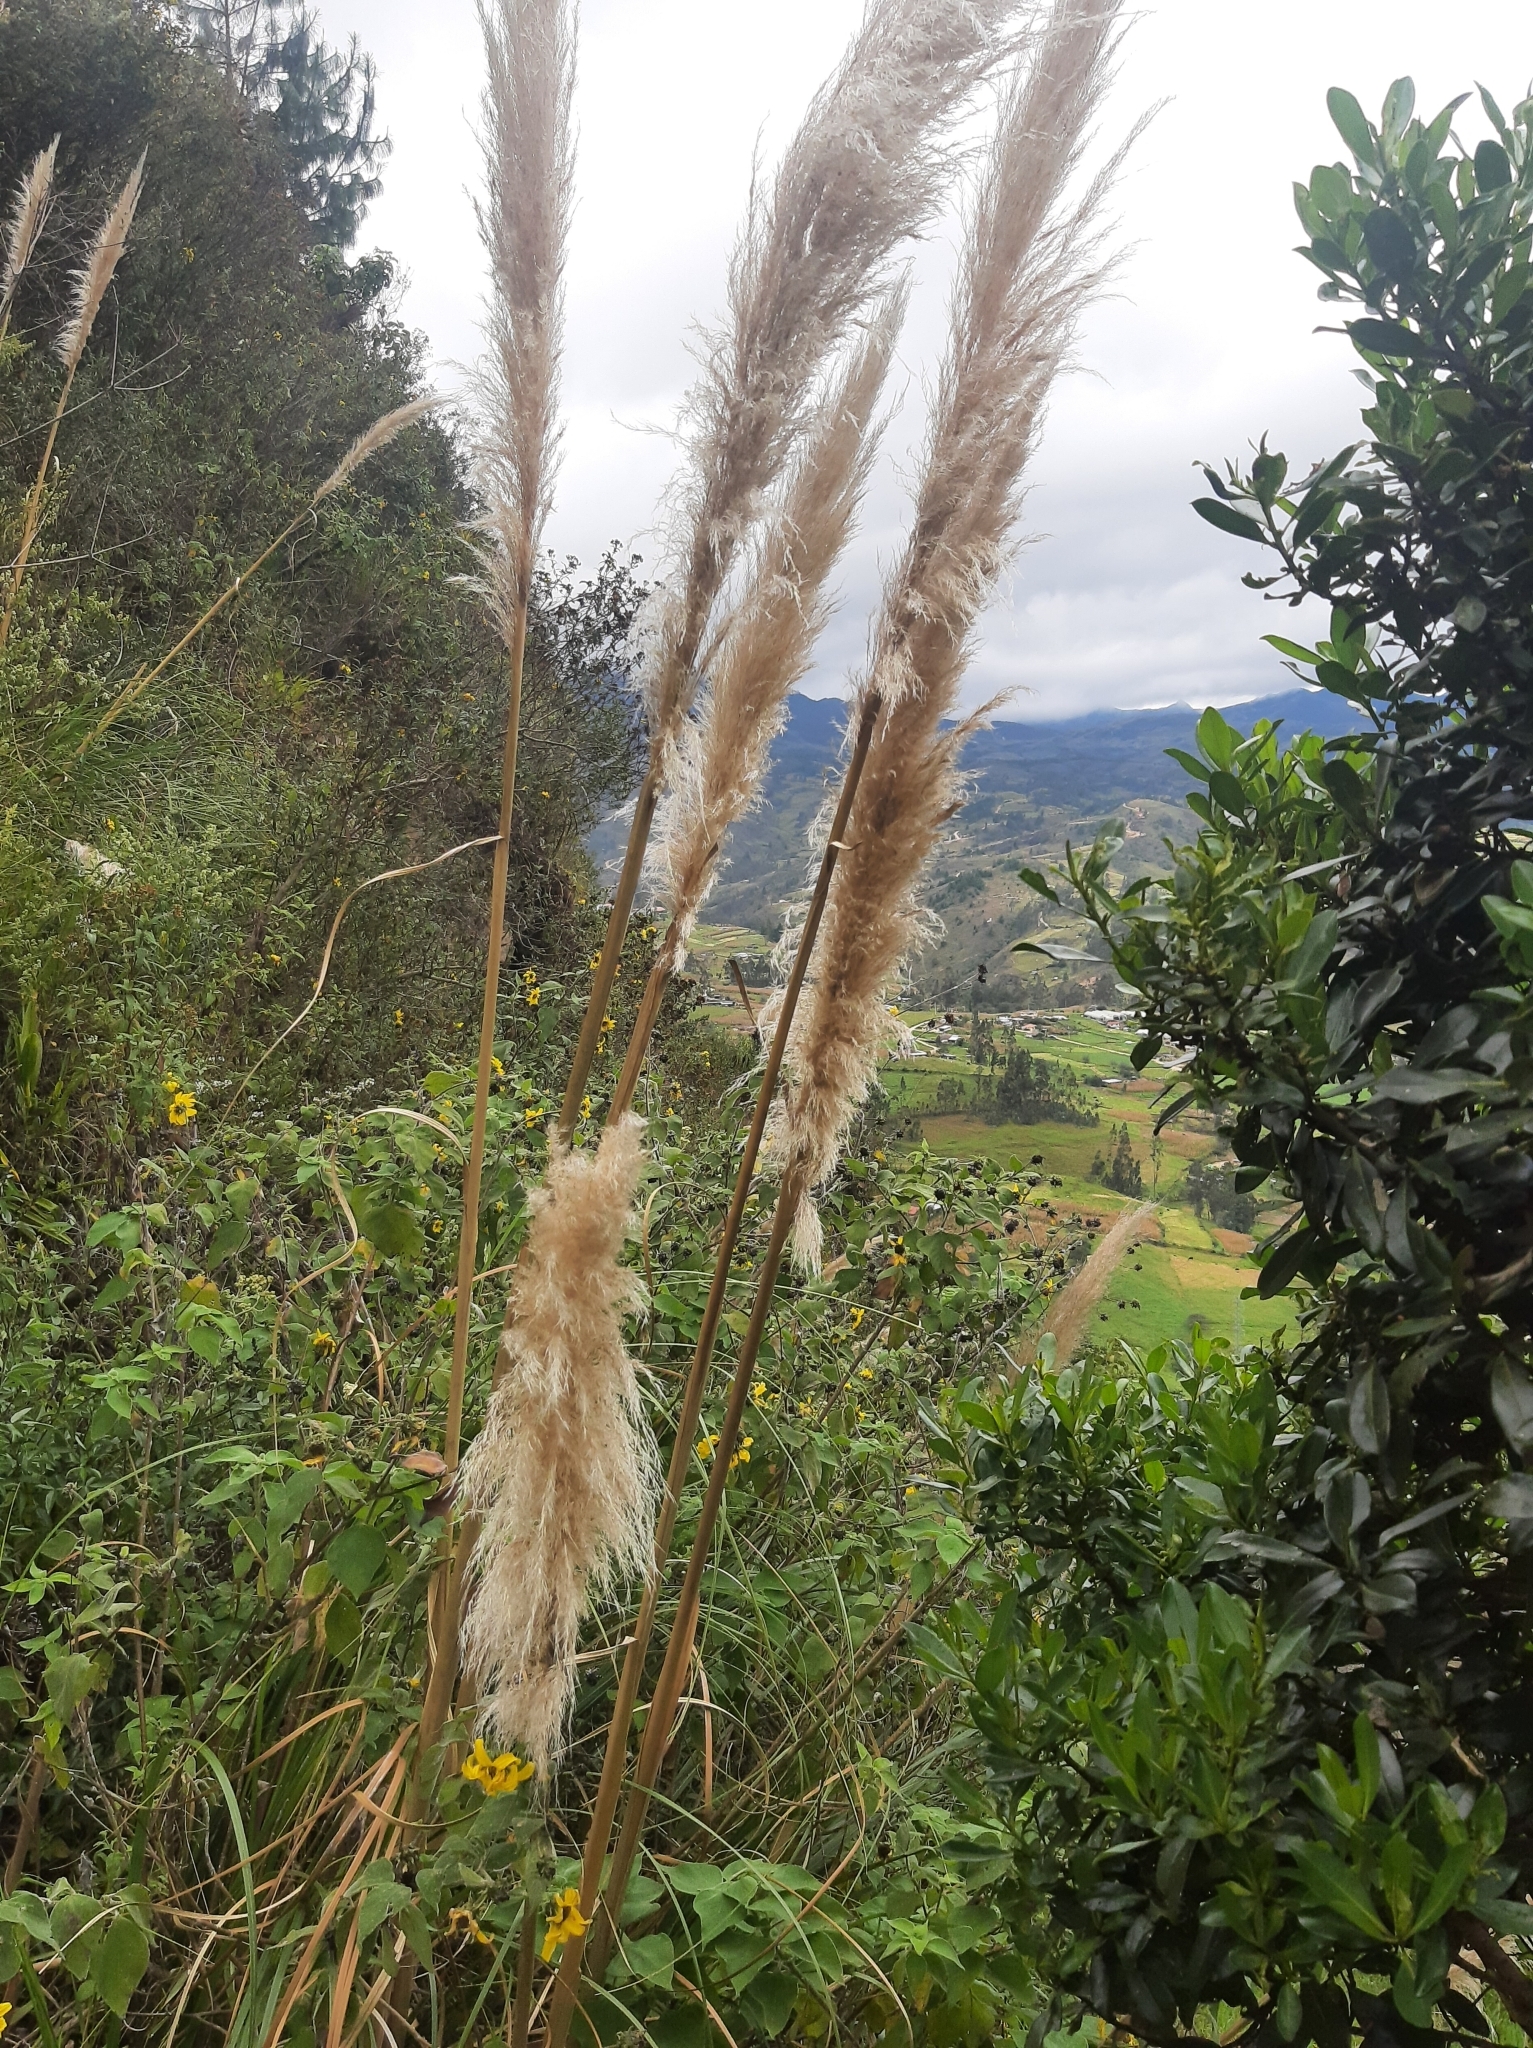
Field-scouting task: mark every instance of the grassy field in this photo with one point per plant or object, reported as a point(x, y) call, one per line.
point(1185, 1271)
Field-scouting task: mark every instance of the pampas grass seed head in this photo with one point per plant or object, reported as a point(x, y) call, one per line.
point(564, 1474)
point(28, 217)
point(95, 275)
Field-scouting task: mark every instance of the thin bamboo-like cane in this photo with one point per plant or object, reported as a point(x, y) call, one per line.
point(615, 1759)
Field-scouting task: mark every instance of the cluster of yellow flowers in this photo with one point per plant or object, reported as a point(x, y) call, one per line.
point(323, 1343)
point(181, 1103)
point(564, 1922)
point(501, 1773)
point(761, 1397)
point(709, 1444)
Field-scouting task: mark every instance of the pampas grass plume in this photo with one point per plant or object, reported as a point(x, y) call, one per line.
point(377, 436)
point(94, 277)
point(1032, 261)
point(770, 636)
point(524, 224)
point(564, 1475)
point(28, 217)
point(865, 172)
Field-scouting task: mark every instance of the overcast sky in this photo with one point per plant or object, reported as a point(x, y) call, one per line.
point(1123, 596)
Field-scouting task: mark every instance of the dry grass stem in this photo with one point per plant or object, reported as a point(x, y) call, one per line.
point(563, 1477)
point(866, 171)
point(29, 215)
point(1032, 260)
point(524, 223)
point(770, 636)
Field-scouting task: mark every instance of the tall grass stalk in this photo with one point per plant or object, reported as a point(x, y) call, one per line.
point(29, 216)
point(615, 1756)
point(865, 172)
point(91, 284)
point(377, 436)
point(721, 757)
point(524, 224)
point(1032, 261)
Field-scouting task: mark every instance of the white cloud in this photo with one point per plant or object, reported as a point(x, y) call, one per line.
point(1127, 597)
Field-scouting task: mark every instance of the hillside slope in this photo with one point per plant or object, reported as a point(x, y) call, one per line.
point(1035, 786)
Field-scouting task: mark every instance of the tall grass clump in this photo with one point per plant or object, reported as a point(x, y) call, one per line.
point(524, 217)
point(1032, 261)
point(865, 172)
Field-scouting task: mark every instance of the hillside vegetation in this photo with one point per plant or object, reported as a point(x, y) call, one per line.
point(381, 1216)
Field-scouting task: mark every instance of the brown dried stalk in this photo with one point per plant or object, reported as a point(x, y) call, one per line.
point(865, 172)
point(616, 1755)
point(29, 216)
point(524, 223)
point(1032, 261)
point(91, 283)
point(720, 759)
point(563, 1476)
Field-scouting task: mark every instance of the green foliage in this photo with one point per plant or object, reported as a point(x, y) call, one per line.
point(1294, 1776)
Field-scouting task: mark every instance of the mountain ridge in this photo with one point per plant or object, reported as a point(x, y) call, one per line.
point(1034, 785)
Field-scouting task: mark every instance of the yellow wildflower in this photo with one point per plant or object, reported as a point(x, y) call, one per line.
point(531, 1117)
point(595, 962)
point(183, 1107)
point(461, 1921)
point(534, 997)
point(879, 1157)
point(495, 1065)
point(758, 1391)
point(705, 1447)
point(608, 1024)
point(743, 1455)
point(564, 1922)
point(436, 1227)
point(399, 1016)
point(496, 1774)
point(857, 1316)
point(865, 1372)
point(323, 1343)
point(585, 1105)
point(529, 975)
point(4, 2014)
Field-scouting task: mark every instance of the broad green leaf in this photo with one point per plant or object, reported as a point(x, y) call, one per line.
point(356, 1556)
point(1228, 520)
point(1337, 1887)
point(118, 1966)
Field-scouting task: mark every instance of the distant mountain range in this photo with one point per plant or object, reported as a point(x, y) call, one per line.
point(1035, 786)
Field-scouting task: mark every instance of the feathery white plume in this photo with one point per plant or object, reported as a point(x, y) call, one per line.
point(564, 1474)
point(1032, 261)
point(28, 217)
point(770, 636)
point(95, 275)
